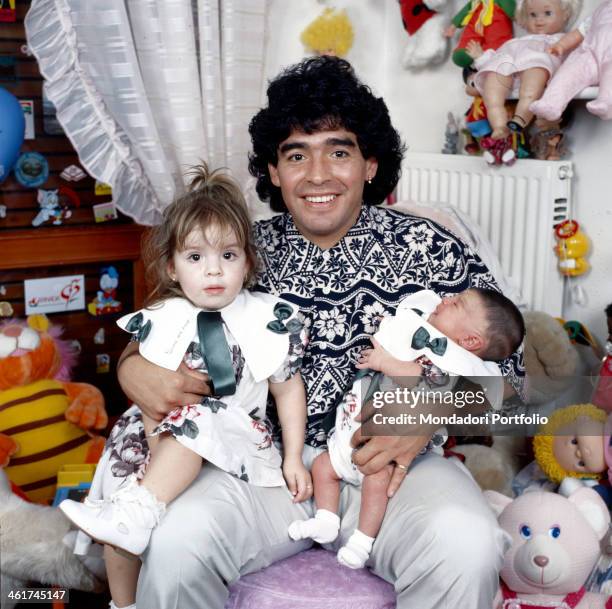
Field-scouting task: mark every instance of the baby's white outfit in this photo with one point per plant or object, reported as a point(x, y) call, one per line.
point(396, 336)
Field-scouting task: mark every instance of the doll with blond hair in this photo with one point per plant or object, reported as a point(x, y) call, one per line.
point(575, 443)
point(525, 59)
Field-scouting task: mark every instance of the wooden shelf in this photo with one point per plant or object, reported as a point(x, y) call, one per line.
point(50, 246)
point(62, 245)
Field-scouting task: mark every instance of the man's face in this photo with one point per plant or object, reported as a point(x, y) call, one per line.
point(321, 176)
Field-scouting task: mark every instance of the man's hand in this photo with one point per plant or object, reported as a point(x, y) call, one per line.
point(157, 390)
point(379, 451)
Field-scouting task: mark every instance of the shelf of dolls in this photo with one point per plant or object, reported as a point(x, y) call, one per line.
point(33, 248)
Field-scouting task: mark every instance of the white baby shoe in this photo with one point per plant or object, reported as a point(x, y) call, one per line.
point(124, 521)
point(323, 528)
point(356, 551)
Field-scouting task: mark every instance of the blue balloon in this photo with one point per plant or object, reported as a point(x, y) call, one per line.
point(12, 130)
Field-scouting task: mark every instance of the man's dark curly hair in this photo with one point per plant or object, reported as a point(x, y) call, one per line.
point(317, 94)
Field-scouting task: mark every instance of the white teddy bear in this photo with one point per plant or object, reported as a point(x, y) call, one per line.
point(555, 545)
point(33, 548)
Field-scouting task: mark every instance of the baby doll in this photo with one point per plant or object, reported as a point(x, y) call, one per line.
point(587, 65)
point(575, 443)
point(525, 59)
point(487, 22)
point(425, 336)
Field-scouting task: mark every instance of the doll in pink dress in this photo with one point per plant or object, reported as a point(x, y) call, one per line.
point(526, 59)
point(589, 63)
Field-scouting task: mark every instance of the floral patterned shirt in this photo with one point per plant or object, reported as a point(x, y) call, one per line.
point(342, 291)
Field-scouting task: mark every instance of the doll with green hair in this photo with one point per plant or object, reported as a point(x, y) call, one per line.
point(575, 443)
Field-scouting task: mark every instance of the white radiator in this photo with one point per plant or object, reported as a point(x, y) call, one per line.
point(516, 207)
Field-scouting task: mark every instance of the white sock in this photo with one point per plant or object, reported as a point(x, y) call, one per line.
point(323, 528)
point(140, 504)
point(356, 551)
point(113, 606)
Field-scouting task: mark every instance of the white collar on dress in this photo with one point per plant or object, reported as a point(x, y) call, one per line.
point(174, 326)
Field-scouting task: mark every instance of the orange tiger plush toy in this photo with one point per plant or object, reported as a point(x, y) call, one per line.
point(45, 421)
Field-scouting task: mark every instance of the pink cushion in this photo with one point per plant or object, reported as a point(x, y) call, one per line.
point(311, 580)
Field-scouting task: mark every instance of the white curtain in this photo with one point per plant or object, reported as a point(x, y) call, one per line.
point(146, 88)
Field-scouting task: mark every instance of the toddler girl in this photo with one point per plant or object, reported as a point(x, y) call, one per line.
point(199, 259)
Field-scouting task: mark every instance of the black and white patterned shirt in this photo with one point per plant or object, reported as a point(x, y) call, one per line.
point(342, 291)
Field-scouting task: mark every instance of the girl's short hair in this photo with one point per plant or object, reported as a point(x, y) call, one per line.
point(572, 7)
point(213, 199)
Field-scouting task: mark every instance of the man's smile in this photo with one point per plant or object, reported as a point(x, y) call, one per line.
point(320, 198)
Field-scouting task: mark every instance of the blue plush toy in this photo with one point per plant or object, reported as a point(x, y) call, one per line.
point(12, 130)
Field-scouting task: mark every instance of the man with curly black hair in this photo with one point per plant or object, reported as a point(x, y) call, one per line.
point(326, 154)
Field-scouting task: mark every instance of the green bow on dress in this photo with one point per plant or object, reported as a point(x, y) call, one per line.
point(283, 311)
point(136, 327)
point(420, 340)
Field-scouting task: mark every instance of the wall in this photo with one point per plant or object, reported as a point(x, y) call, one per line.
point(419, 102)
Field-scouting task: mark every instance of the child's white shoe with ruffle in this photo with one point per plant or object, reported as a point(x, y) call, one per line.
point(356, 551)
point(125, 520)
point(323, 528)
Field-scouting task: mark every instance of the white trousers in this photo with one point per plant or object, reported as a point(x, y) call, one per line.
point(439, 545)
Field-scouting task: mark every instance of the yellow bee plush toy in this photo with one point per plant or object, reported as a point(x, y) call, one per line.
point(45, 421)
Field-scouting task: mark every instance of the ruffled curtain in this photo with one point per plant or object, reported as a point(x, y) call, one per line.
point(146, 88)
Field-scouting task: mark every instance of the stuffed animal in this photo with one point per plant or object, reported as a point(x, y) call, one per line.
point(555, 545)
point(589, 64)
point(424, 25)
point(551, 362)
point(45, 422)
point(31, 538)
point(331, 33)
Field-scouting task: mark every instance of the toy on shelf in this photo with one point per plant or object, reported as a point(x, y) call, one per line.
point(487, 22)
point(548, 144)
point(45, 421)
point(424, 25)
point(588, 64)
point(105, 300)
point(477, 124)
point(524, 59)
point(331, 33)
point(555, 545)
point(31, 169)
point(54, 204)
point(451, 135)
point(572, 247)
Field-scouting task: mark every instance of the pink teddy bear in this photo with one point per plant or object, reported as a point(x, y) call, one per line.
point(555, 545)
point(587, 65)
